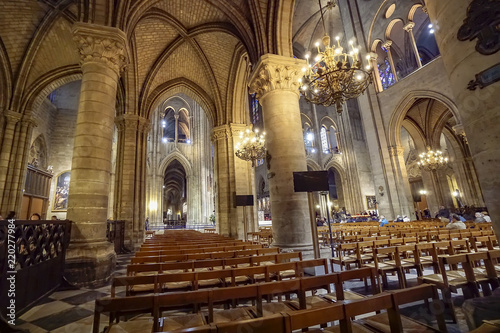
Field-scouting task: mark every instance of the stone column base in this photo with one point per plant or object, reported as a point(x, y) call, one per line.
point(90, 264)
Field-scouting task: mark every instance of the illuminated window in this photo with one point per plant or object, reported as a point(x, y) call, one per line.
point(324, 140)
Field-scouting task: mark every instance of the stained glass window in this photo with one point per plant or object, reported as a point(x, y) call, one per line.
point(324, 140)
point(255, 109)
point(386, 75)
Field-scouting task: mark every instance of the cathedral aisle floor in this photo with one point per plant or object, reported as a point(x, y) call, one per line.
point(72, 311)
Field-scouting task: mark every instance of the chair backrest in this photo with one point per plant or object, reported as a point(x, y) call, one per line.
point(274, 323)
point(356, 274)
point(302, 319)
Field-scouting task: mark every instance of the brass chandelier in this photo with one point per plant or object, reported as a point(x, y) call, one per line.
point(432, 160)
point(251, 148)
point(334, 76)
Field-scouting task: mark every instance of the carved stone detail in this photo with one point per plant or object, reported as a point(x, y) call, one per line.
point(101, 44)
point(221, 132)
point(274, 72)
point(127, 122)
point(387, 45)
point(409, 26)
point(396, 150)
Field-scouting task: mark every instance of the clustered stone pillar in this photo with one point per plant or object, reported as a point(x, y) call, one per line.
point(90, 259)
point(226, 213)
point(478, 108)
point(401, 178)
point(275, 80)
point(131, 175)
point(13, 159)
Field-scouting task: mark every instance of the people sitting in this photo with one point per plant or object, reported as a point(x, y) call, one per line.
point(383, 221)
point(486, 217)
point(398, 219)
point(455, 223)
point(406, 219)
point(479, 218)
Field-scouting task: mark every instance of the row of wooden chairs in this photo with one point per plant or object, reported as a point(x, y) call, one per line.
point(257, 317)
point(202, 256)
point(469, 272)
point(356, 253)
point(224, 277)
point(194, 265)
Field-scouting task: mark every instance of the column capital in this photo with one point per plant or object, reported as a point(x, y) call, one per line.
point(236, 129)
point(221, 132)
point(101, 44)
point(387, 44)
point(275, 72)
point(396, 150)
point(129, 121)
point(409, 26)
point(373, 56)
point(12, 116)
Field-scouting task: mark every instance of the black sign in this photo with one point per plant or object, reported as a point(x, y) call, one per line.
point(244, 200)
point(310, 181)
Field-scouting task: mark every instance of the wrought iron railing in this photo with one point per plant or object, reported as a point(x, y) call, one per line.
point(35, 255)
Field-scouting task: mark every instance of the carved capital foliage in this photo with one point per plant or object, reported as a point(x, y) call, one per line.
point(101, 44)
point(396, 150)
point(387, 45)
point(221, 133)
point(274, 72)
point(236, 129)
point(409, 26)
point(12, 117)
point(132, 122)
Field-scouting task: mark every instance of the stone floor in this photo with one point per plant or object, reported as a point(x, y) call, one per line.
point(72, 310)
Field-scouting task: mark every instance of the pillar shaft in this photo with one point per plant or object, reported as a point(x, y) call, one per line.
point(90, 258)
point(387, 46)
point(409, 29)
point(479, 109)
point(131, 164)
point(275, 80)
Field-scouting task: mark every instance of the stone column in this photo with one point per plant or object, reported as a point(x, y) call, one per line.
point(409, 29)
point(176, 129)
point(226, 213)
point(13, 160)
point(387, 45)
point(131, 168)
point(90, 259)
point(478, 108)
point(401, 177)
point(275, 80)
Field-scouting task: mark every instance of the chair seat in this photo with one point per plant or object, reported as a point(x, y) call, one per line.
point(140, 324)
point(209, 282)
point(380, 322)
point(346, 259)
point(238, 279)
point(287, 274)
point(186, 321)
point(348, 295)
point(381, 266)
point(177, 285)
point(225, 316)
point(312, 302)
point(438, 279)
point(142, 288)
point(268, 309)
point(356, 328)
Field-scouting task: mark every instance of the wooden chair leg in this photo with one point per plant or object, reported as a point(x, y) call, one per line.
point(449, 304)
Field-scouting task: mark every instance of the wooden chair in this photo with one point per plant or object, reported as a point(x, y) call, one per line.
point(129, 305)
point(392, 320)
point(304, 319)
point(346, 256)
point(341, 293)
point(269, 324)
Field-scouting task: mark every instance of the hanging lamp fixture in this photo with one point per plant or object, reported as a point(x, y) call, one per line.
point(334, 75)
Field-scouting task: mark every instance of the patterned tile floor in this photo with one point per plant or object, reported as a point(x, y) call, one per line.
point(72, 311)
point(69, 310)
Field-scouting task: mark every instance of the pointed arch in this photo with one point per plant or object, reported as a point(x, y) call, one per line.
point(176, 155)
point(399, 113)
